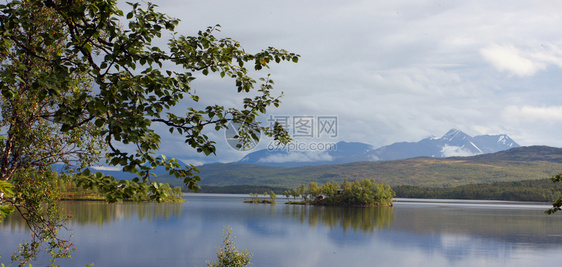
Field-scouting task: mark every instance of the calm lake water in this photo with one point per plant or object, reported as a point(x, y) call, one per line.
point(412, 233)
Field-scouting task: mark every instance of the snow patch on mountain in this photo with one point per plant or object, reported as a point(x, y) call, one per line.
point(475, 146)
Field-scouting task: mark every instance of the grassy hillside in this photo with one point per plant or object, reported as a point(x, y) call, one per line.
point(523, 163)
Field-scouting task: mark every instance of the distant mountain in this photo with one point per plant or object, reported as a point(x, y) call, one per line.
point(453, 143)
point(521, 163)
point(341, 152)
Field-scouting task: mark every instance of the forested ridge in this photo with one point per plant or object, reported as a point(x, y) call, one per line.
point(517, 164)
point(530, 190)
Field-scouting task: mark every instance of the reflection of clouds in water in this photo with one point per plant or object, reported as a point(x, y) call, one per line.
point(465, 234)
point(284, 235)
point(450, 235)
point(459, 247)
point(517, 225)
point(462, 249)
point(267, 227)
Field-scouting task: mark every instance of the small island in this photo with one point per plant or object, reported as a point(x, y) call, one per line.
point(256, 199)
point(67, 187)
point(364, 193)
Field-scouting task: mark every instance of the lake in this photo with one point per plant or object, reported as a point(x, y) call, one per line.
point(412, 233)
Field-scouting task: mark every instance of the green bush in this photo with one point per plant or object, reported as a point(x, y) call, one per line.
point(228, 254)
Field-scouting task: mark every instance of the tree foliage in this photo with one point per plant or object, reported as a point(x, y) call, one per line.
point(256, 199)
point(529, 190)
point(30, 98)
point(82, 80)
point(130, 93)
point(313, 190)
point(357, 193)
point(228, 254)
point(558, 202)
point(6, 191)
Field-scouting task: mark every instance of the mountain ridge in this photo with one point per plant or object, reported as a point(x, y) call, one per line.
point(452, 143)
point(516, 164)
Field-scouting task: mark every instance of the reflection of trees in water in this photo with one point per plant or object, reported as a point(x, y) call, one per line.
point(518, 226)
point(259, 210)
point(348, 218)
point(99, 212)
point(14, 222)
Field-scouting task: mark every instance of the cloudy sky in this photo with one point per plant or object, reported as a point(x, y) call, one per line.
point(398, 70)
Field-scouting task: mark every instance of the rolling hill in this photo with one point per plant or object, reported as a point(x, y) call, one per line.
point(516, 164)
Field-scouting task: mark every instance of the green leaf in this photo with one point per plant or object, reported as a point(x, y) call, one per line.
point(82, 79)
point(5, 211)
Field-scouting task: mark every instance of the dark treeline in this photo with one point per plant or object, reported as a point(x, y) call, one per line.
point(238, 189)
point(531, 190)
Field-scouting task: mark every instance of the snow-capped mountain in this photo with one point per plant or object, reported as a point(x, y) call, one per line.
point(453, 143)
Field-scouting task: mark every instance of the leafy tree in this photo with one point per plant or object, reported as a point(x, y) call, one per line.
point(383, 194)
point(177, 193)
point(302, 191)
point(6, 190)
point(358, 193)
point(287, 193)
point(558, 203)
point(314, 190)
point(330, 189)
point(36, 194)
point(228, 254)
point(82, 80)
point(295, 193)
point(345, 186)
point(273, 196)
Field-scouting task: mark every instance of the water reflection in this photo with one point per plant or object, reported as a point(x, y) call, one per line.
point(409, 234)
point(346, 218)
point(99, 213)
point(521, 227)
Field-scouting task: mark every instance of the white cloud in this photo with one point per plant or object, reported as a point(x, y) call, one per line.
point(455, 151)
point(511, 59)
point(394, 70)
point(530, 113)
point(523, 60)
point(296, 157)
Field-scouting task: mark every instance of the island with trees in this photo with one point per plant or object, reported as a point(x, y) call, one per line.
point(364, 193)
point(256, 199)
